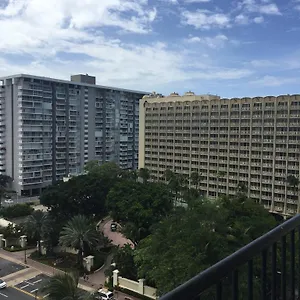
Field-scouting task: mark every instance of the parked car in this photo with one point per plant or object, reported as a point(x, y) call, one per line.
point(8, 201)
point(113, 227)
point(2, 284)
point(104, 294)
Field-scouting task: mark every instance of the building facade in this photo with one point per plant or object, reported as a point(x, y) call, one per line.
point(50, 128)
point(250, 141)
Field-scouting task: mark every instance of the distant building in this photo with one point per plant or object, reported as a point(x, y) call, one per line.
point(249, 141)
point(50, 128)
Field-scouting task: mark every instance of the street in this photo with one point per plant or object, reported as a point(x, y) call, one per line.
point(7, 267)
point(11, 293)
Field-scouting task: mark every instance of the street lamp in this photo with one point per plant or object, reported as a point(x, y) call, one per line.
point(25, 258)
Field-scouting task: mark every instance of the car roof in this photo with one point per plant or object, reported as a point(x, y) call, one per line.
point(105, 291)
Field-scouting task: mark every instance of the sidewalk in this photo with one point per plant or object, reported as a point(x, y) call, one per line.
point(19, 257)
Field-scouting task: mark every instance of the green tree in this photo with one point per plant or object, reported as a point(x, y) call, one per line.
point(192, 239)
point(138, 206)
point(92, 166)
point(80, 233)
point(196, 179)
point(4, 183)
point(123, 257)
point(85, 195)
point(37, 226)
point(177, 183)
point(144, 174)
point(293, 182)
point(65, 287)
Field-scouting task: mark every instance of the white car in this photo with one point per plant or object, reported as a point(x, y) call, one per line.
point(104, 294)
point(2, 284)
point(8, 201)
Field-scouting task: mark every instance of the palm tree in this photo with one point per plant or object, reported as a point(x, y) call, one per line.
point(4, 182)
point(293, 182)
point(65, 287)
point(144, 174)
point(195, 179)
point(79, 233)
point(37, 225)
point(219, 175)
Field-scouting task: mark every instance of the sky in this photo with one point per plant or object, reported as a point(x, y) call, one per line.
point(232, 48)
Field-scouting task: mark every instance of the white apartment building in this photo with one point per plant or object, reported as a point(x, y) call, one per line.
point(254, 141)
point(49, 128)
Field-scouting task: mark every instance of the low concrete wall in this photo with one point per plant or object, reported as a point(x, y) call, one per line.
point(138, 287)
point(150, 292)
point(128, 284)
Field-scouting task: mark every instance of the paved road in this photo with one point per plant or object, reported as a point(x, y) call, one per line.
point(7, 267)
point(116, 237)
point(11, 293)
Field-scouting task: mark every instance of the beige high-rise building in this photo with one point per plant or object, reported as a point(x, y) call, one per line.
point(255, 141)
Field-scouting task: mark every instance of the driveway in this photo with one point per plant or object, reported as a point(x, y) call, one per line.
point(116, 237)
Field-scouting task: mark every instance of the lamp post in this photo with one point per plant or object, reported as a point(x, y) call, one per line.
point(25, 256)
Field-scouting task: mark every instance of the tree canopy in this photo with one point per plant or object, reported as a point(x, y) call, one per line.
point(65, 287)
point(192, 239)
point(138, 206)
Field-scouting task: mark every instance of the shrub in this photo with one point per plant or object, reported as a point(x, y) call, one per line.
point(99, 260)
point(16, 211)
point(12, 231)
point(17, 248)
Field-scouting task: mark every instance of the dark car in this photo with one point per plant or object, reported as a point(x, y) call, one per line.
point(113, 227)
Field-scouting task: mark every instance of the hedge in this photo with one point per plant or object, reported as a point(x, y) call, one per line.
point(16, 211)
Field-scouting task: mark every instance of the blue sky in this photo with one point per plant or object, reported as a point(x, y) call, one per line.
point(231, 48)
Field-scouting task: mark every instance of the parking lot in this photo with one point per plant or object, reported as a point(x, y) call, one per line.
point(12, 294)
point(33, 285)
point(7, 267)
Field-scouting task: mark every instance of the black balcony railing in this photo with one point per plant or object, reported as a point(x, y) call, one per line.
point(267, 268)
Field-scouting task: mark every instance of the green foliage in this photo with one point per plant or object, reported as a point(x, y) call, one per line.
point(65, 287)
point(177, 183)
point(80, 233)
point(38, 226)
point(144, 174)
point(16, 211)
point(12, 231)
point(123, 257)
point(192, 239)
point(85, 194)
point(4, 183)
point(138, 206)
point(16, 248)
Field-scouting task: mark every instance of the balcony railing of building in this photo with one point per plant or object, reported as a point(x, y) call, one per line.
point(266, 268)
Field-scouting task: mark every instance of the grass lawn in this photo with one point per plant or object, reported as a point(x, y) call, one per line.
point(66, 262)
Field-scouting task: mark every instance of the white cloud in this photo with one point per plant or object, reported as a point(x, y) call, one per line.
point(196, 1)
point(266, 8)
point(77, 28)
point(297, 7)
point(274, 81)
point(204, 19)
point(217, 41)
point(263, 63)
point(258, 20)
point(242, 19)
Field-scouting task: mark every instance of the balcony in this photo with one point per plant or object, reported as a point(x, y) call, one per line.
point(273, 276)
